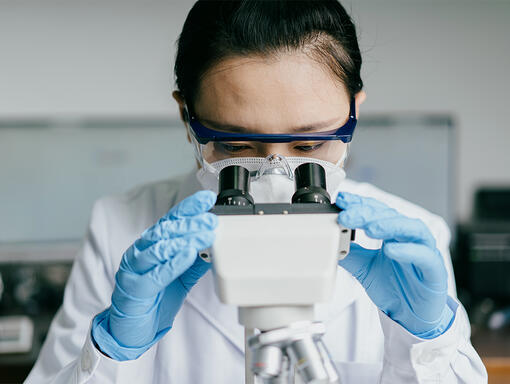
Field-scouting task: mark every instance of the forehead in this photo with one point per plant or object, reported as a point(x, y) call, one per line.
point(284, 90)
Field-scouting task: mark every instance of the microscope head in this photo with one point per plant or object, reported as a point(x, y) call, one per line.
point(276, 260)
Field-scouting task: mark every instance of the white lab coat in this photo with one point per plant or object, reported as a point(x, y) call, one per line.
point(206, 343)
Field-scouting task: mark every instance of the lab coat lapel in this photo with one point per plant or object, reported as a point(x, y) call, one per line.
point(222, 317)
point(347, 290)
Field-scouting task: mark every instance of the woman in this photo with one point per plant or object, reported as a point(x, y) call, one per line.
point(250, 73)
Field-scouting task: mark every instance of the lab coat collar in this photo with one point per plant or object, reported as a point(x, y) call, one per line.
point(224, 317)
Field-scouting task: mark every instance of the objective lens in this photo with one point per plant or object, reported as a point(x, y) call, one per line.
point(233, 186)
point(310, 184)
point(308, 360)
point(267, 361)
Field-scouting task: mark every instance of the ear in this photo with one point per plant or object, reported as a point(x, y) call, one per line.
point(359, 99)
point(181, 103)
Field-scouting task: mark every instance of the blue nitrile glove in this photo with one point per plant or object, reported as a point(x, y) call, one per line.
point(406, 278)
point(154, 276)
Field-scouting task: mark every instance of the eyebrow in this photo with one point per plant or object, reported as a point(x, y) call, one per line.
point(239, 129)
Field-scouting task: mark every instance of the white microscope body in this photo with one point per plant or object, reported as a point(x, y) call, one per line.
point(274, 262)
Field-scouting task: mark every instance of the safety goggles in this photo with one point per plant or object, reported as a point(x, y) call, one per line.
point(204, 135)
point(213, 145)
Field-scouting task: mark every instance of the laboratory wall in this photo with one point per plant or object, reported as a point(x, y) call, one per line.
point(114, 58)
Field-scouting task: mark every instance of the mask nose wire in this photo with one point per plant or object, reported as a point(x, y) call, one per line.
point(274, 164)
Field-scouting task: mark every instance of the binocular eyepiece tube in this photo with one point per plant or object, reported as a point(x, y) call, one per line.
point(310, 182)
point(234, 186)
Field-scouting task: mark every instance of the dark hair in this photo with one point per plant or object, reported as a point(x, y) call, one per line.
point(215, 30)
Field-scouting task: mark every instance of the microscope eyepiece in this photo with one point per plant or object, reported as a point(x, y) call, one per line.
point(310, 184)
point(233, 187)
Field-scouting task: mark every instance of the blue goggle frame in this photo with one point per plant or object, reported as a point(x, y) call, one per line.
point(204, 135)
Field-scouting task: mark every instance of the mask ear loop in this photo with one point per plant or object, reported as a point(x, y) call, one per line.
point(344, 157)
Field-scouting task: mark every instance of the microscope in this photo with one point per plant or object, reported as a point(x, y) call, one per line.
point(274, 261)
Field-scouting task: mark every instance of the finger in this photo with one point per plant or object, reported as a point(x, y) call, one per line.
point(358, 261)
point(176, 291)
point(400, 229)
point(194, 273)
point(152, 282)
point(161, 251)
point(132, 302)
point(422, 262)
point(140, 286)
point(345, 200)
point(358, 216)
point(166, 273)
point(135, 286)
point(167, 229)
point(201, 201)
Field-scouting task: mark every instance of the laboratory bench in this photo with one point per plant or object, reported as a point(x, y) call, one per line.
point(31, 292)
point(494, 348)
point(15, 367)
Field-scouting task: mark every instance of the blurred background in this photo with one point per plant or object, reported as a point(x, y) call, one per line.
point(86, 110)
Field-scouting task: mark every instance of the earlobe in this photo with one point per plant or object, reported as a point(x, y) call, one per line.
point(359, 99)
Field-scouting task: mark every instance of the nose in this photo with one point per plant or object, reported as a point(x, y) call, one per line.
point(266, 149)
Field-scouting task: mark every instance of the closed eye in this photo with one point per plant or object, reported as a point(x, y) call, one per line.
point(309, 147)
point(231, 147)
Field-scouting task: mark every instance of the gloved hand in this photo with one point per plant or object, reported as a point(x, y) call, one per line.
point(154, 276)
point(406, 278)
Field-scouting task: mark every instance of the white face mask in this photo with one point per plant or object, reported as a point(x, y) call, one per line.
point(272, 178)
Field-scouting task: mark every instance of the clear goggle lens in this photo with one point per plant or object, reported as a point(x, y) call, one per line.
point(326, 150)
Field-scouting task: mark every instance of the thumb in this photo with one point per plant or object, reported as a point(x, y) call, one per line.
point(358, 261)
point(194, 273)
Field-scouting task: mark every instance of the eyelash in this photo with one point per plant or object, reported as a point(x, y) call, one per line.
point(309, 148)
point(238, 148)
point(233, 148)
